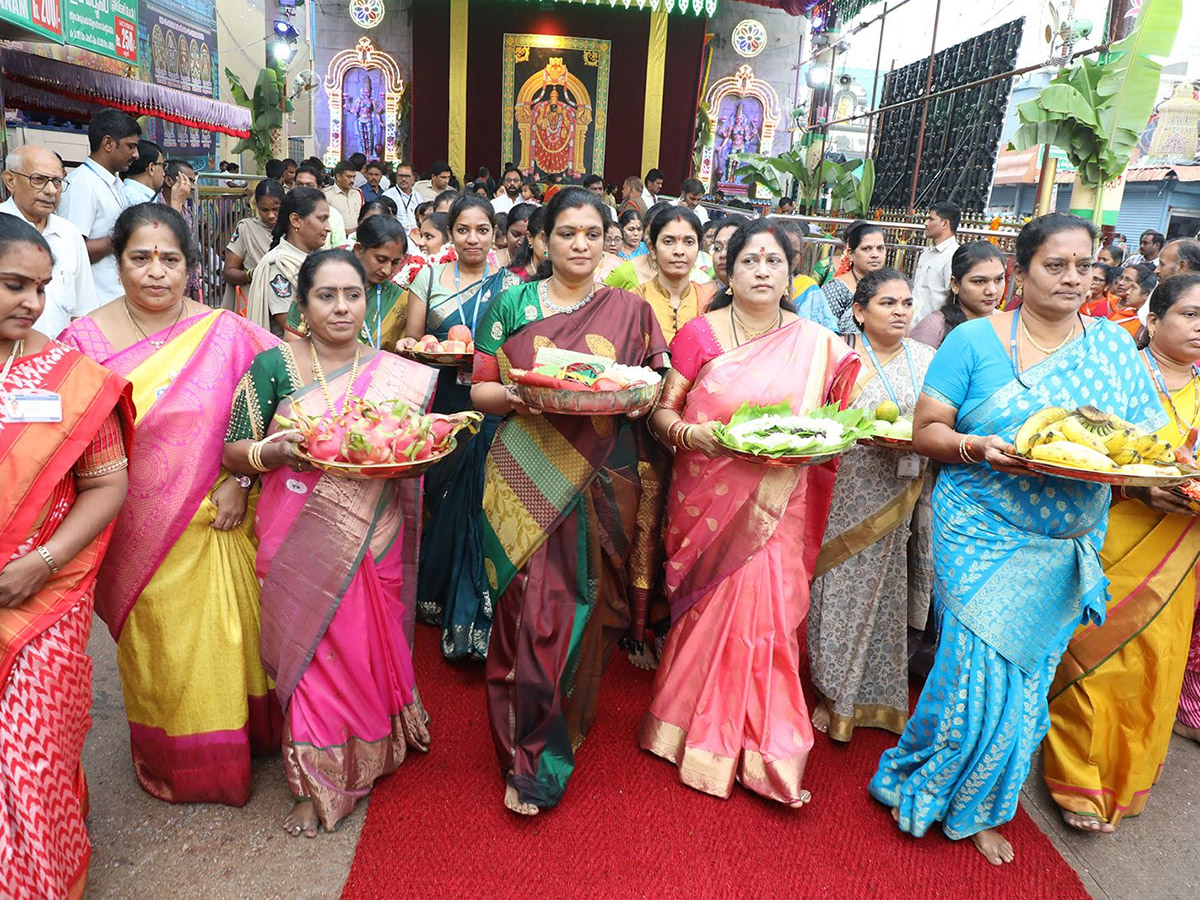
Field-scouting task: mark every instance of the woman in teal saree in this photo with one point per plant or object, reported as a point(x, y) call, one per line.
point(453, 591)
point(1016, 554)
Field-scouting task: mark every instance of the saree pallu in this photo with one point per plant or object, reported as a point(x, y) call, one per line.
point(45, 672)
point(333, 623)
point(741, 545)
point(178, 596)
point(1016, 570)
point(867, 579)
point(453, 591)
point(1113, 700)
point(1189, 695)
point(570, 547)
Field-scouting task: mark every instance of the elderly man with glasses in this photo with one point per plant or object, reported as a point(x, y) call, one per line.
point(35, 180)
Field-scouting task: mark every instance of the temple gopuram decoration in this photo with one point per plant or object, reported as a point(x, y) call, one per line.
point(364, 86)
point(745, 113)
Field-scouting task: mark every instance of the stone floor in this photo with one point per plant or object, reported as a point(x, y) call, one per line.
point(144, 848)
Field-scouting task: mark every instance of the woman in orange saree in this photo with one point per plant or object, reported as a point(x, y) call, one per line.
point(742, 539)
point(64, 433)
point(1113, 699)
point(178, 591)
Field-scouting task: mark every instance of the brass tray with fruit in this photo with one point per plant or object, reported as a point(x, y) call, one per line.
point(1088, 444)
point(891, 430)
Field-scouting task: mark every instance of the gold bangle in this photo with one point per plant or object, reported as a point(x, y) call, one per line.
point(685, 437)
point(47, 559)
point(964, 451)
point(254, 457)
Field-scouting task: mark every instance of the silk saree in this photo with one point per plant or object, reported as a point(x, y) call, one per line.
point(873, 582)
point(453, 592)
point(178, 596)
point(1114, 696)
point(45, 670)
point(570, 536)
point(336, 623)
point(741, 545)
point(1016, 571)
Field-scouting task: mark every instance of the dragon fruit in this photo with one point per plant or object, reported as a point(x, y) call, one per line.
point(366, 446)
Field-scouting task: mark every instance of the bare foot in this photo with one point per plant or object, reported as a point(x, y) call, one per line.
point(804, 799)
point(302, 818)
point(994, 848)
point(513, 803)
point(1087, 823)
point(896, 814)
point(821, 717)
point(644, 658)
point(1192, 734)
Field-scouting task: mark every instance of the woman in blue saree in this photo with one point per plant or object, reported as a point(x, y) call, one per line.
point(452, 591)
point(1016, 554)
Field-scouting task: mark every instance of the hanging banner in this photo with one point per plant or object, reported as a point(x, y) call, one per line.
point(181, 44)
point(108, 27)
point(40, 17)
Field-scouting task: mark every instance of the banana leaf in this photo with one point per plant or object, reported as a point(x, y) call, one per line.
point(855, 423)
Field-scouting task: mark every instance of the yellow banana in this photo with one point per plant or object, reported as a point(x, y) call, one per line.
point(1144, 469)
point(1075, 456)
point(1036, 424)
point(1074, 429)
point(1126, 456)
point(1111, 430)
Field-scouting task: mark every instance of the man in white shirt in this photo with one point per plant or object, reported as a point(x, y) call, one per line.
point(652, 187)
point(94, 196)
point(439, 180)
point(406, 199)
point(691, 192)
point(35, 178)
point(512, 192)
point(344, 196)
point(144, 177)
point(931, 281)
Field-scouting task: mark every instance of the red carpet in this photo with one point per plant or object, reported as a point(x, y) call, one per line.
point(628, 828)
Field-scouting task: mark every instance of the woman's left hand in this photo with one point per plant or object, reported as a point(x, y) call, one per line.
point(1162, 500)
point(22, 578)
point(230, 500)
point(997, 453)
point(702, 439)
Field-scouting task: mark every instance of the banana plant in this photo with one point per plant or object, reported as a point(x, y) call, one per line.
point(1096, 110)
point(267, 106)
point(851, 188)
point(703, 136)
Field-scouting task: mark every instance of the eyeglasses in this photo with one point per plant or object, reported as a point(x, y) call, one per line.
point(38, 182)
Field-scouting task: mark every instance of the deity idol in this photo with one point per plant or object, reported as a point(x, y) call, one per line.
point(367, 113)
point(553, 130)
point(738, 138)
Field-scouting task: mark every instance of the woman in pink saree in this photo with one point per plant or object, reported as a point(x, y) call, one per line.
point(336, 558)
point(742, 538)
point(177, 587)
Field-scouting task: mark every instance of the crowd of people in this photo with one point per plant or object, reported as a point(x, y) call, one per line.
point(259, 605)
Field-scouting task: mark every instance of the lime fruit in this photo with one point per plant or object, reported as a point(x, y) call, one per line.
point(887, 411)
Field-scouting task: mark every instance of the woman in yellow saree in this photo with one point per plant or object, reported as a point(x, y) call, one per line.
point(1113, 700)
point(62, 481)
point(177, 589)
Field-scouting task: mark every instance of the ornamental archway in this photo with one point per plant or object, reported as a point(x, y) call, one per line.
point(744, 111)
point(364, 86)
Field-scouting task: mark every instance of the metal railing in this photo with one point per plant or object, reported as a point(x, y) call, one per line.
point(219, 207)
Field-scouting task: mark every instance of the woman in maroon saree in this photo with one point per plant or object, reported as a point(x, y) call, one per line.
point(572, 527)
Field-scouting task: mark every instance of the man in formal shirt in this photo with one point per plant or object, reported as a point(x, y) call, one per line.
point(439, 180)
point(344, 196)
point(95, 197)
point(144, 177)
point(35, 178)
point(512, 192)
point(307, 176)
point(691, 192)
point(931, 281)
point(406, 199)
point(652, 187)
point(1150, 245)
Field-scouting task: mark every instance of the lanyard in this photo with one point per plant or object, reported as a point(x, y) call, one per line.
point(114, 187)
point(373, 340)
point(1162, 386)
point(887, 383)
point(458, 291)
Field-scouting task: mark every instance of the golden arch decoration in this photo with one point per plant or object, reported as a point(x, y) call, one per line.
point(364, 55)
point(555, 73)
point(741, 84)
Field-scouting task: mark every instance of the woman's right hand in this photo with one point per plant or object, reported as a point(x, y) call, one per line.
point(284, 452)
point(702, 439)
point(407, 344)
point(519, 406)
point(997, 453)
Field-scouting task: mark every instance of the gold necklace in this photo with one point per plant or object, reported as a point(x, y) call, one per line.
point(319, 374)
point(146, 337)
point(17, 347)
point(1039, 347)
point(751, 335)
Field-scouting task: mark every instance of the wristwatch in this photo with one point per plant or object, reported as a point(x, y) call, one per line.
point(244, 481)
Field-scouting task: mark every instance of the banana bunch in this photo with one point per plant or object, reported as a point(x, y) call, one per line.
point(1089, 438)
